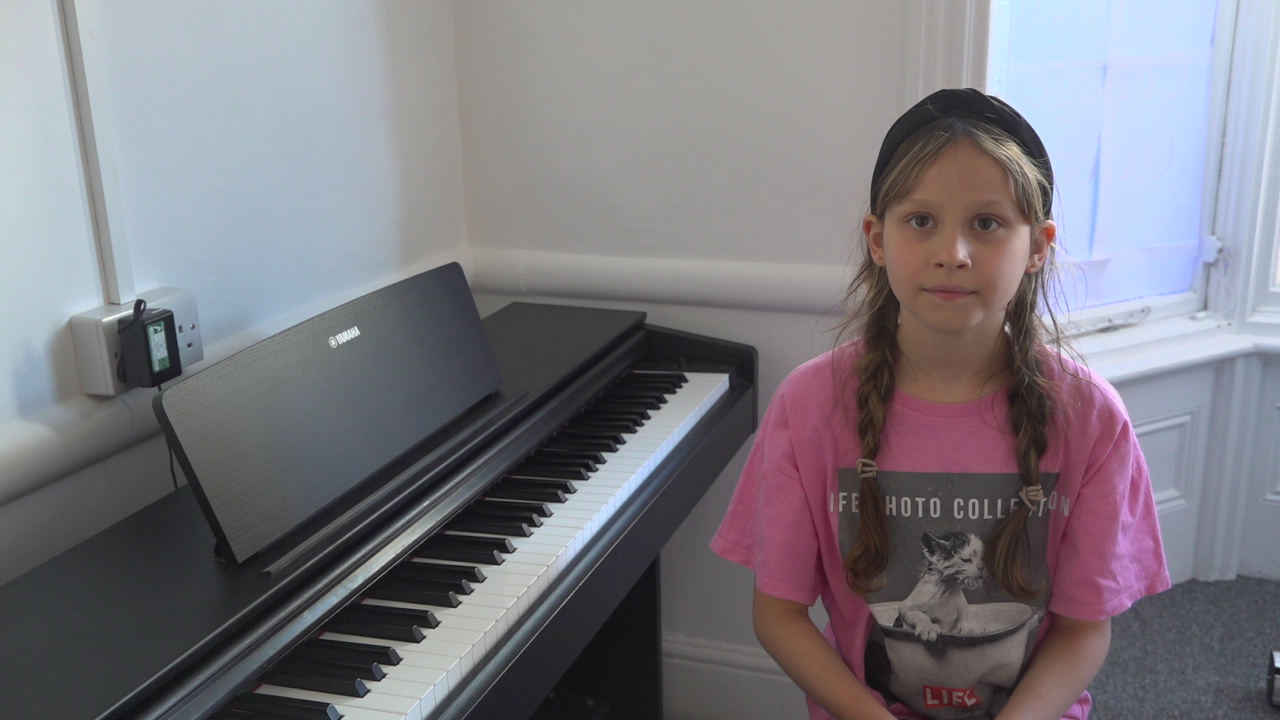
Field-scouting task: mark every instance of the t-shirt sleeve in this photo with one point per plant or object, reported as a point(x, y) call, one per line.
point(769, 527)
point(1111, 553)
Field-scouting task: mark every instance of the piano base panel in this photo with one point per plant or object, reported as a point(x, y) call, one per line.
point(622, 665)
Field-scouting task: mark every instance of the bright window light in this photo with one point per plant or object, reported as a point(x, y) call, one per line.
point(1119, 92)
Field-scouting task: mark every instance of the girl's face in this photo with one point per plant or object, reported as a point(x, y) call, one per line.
point(956, 248)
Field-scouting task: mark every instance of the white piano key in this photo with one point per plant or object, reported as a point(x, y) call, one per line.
point(349, 713)
point(383, 702)
point(421, 671)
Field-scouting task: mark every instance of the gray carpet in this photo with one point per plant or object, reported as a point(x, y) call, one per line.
point(1197, 651)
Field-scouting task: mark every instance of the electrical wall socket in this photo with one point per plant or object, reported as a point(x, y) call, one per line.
point(96, 338)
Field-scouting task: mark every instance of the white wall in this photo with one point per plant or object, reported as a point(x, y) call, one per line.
point(49, 269)
point(673, 129)
point(273, 158)
point(273, 154)
point(703, 161)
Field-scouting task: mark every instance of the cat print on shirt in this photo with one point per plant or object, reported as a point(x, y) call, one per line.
point(947, 642)
point(952, 562)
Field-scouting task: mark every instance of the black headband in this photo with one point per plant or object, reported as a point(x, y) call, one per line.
point(964, 103)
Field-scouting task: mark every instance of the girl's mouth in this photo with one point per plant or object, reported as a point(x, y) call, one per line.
point(948, 292)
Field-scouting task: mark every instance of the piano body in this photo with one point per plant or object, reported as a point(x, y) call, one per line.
point(178, 612)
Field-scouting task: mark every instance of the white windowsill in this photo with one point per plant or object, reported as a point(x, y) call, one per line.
point(1161, 346)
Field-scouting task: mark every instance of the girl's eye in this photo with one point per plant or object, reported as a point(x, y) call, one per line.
point(986, 224)
point(919, 222)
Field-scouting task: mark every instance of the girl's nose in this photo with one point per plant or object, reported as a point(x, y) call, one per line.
point(952, 251)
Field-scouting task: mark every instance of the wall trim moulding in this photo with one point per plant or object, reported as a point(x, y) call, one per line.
point(739, 285)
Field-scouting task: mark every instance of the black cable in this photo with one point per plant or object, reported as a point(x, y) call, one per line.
point(172, 473)
point(169, 446)
point(139, 307)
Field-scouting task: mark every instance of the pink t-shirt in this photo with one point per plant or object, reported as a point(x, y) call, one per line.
point(940, 640)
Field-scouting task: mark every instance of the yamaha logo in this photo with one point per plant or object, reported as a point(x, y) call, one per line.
point(344, 336)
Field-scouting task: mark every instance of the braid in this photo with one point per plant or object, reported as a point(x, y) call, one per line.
point(870, 552)
point(1030, 407)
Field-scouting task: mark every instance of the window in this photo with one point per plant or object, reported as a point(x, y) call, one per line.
point(1122, 93)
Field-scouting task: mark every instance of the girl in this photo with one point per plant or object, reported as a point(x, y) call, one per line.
point(971, 506)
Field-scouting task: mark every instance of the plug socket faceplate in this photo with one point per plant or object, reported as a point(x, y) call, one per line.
point(95, 336)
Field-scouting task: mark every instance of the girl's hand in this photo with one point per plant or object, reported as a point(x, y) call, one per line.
point(795, 643)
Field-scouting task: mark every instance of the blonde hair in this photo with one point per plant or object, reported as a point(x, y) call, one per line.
point(874, 316)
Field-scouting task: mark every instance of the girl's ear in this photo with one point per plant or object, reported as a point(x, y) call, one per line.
point(874, 230)
point(1041, 240)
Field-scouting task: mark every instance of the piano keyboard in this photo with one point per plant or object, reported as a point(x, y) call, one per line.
point(419, 630)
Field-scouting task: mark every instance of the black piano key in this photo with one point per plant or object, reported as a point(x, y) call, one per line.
point(451, 539)
point(628, 394)
point(549, 473)
point(541, 509)
point(635, 417)
point(619, 427)
point(637, 414)
point(654, 386)
point(421, 618)
point(407, 593)
point(669, 375)
point(383, 622)
point(228, 714)
point(373, 629)
point(464, 572)
point(589, 434)
point(567, 467)
point(577, 444)
point(410, 572)
point(491, 510)
point(672, 381)
point(526, 481)
point(300, 680)
point(628, 404)
point(491, 526)
point(348, 651)
point(272, 706)
point(466, 555)
point(590, 430)
point(534, 494)
point(585, 432)
point(466, 548)
point(551, 454)
point(327, 667)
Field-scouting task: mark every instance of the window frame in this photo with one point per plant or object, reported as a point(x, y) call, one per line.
point(1251, 180)
point(1242, 286)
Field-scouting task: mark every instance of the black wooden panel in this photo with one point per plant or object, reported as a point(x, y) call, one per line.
point(275, 433)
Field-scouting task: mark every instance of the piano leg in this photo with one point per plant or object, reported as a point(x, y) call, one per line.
point(618, 675)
